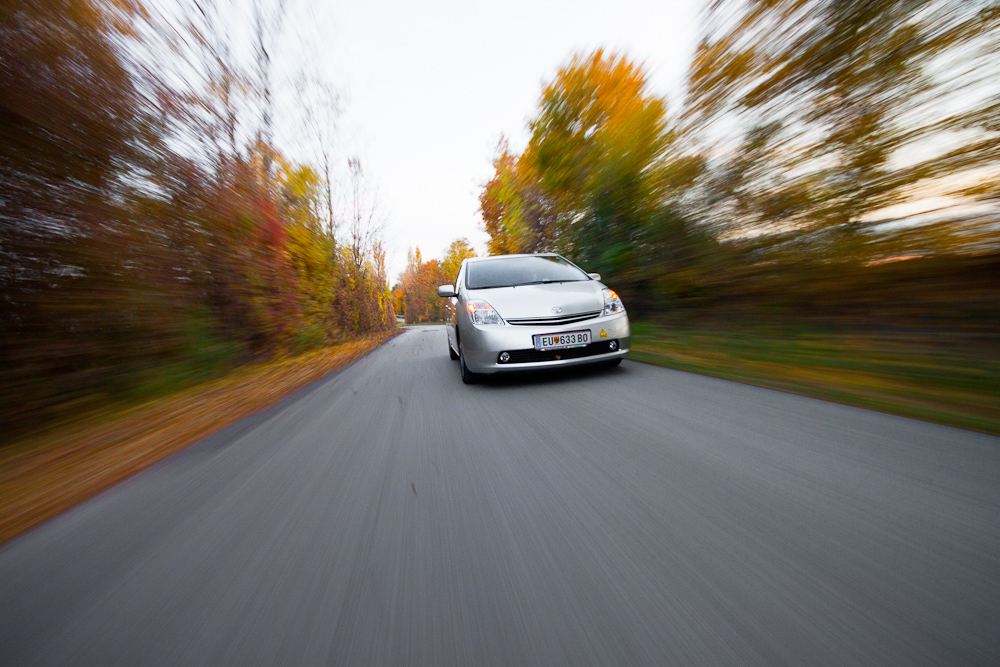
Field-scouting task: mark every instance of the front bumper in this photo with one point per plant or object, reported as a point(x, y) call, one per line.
point(482, 345)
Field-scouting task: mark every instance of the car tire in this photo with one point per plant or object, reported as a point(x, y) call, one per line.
point(468, 377)
point(613, 363)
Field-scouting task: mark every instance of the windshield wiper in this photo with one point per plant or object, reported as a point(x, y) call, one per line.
point(547, 281)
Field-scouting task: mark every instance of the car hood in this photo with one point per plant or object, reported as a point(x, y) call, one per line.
point(537, 301)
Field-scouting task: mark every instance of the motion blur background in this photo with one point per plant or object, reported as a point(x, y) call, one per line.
point(174, 201)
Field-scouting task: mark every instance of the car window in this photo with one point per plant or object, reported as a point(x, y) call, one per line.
point(508, 271)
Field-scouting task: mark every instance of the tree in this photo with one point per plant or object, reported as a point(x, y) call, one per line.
point(319, 119)
point(398, 299)
point(598, 125)
point(459, 251)
point(499, 204)
point(144, 229)
point(365, 219)
point(420, 280)
point(78, 135)
point(829, 98)
point(72, 127)
point(597, 176)
point(268, 20)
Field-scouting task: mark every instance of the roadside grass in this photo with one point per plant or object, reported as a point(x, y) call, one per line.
point(47, 473)
point(947, 377)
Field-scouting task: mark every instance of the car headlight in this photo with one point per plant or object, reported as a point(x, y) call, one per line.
point(612, 303)
point(483, 313)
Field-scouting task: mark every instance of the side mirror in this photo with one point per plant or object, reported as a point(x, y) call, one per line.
point(594, 276)
point(446, 290)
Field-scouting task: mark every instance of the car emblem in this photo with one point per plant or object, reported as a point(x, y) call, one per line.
point(556, 309)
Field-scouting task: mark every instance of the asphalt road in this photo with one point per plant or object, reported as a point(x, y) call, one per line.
point(390, 515)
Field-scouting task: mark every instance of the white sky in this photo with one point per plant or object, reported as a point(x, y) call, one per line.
point(430, 87)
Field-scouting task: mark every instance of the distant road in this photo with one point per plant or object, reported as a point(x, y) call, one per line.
point(390, 515)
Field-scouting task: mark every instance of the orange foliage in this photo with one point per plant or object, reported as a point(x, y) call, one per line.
point(419, 282)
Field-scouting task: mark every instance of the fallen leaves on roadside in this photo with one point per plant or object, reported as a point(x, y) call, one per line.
point(55, 471)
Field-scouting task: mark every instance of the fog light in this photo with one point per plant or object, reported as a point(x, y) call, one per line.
point(504, 357)
point(613, 345)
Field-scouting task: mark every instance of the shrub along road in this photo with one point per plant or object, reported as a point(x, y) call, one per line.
point(391, 515)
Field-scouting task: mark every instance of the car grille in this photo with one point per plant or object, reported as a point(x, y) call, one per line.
point(553, 321)
point(532, 356)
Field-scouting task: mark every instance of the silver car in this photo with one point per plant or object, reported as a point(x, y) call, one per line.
point(529, 312)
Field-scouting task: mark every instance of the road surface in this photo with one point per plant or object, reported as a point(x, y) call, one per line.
point(390, 515)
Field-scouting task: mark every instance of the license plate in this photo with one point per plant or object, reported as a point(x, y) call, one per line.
point(562, 340)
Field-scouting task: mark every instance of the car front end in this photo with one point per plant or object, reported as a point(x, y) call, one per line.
point(596, 331)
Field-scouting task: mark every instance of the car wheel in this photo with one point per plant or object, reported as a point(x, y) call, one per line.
point(613, 363)
point(468, 377)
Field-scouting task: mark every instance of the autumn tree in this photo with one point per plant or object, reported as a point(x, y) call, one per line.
point(415, 284)
point(597, 177)
point(398, 299)
point(459, 251)
point(77, 135)
point(319, 122)
point(365, 219)
point(268, 21)
point(499, 203)
point(420, 280)
point(149, 228)
point(829, 103)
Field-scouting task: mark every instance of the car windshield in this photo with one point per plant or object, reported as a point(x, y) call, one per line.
point(533, 270)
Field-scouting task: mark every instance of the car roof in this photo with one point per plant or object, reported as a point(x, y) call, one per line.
point(527, 254)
